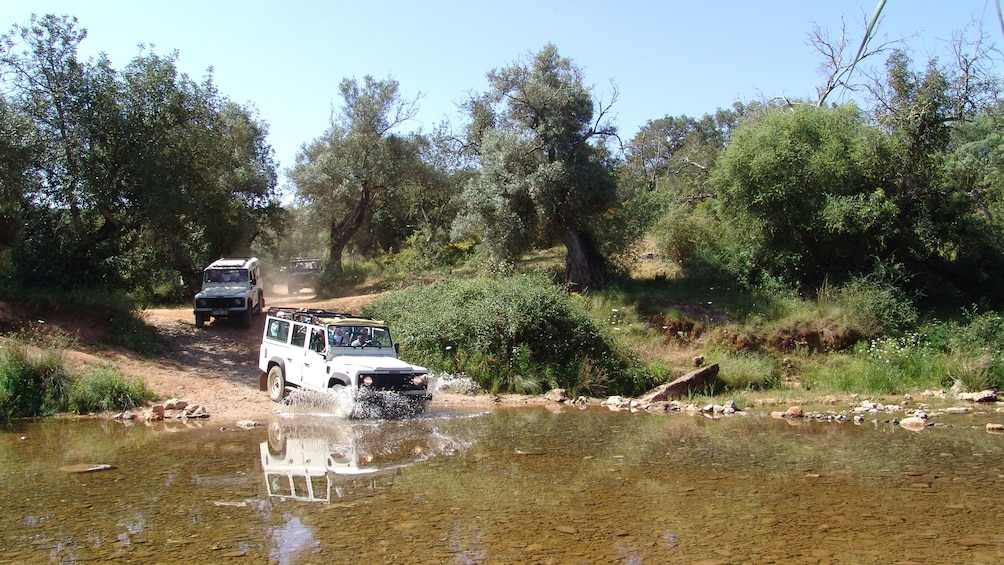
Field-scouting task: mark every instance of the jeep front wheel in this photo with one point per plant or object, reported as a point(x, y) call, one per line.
point(276, 383)
point(200, 320)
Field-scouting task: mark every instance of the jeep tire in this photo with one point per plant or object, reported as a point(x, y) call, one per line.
point(276, 383)
point(200, 320)
point(246, 317)
point(276, 439)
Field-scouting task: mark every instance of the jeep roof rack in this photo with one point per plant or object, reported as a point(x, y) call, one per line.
point(312, 314)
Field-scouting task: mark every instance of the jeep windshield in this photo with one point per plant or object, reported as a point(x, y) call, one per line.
point(226, 276)
point(340, 335)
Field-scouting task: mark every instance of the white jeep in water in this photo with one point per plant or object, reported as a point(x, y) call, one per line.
point(231, 288)
point(333, 352)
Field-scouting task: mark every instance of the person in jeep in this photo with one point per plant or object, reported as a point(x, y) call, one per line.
point(362, 338)
point(337, 337)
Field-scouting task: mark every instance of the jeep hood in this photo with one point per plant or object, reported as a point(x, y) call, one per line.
point(216, 291)
point(376, 363)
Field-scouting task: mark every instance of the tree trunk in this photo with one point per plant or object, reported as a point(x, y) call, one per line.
point(343, 230)
point(585, 268)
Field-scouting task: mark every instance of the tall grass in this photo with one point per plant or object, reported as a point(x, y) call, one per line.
point(36, 382)
point(31, 384)
point(107, 389)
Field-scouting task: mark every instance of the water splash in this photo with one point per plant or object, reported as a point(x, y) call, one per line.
point(460, 384)
point(340, 402)
point(337, 402)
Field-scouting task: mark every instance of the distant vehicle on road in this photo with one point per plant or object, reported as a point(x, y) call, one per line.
point(231, 288)
point(302, 273)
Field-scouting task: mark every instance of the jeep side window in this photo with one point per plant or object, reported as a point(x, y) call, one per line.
point(299, 335)
point(278, 330)
point(317, 340)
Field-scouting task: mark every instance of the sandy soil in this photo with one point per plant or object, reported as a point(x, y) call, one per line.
point(217, 366)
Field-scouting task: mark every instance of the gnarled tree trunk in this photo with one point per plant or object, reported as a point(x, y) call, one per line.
point(585, 267)
point(343, 229)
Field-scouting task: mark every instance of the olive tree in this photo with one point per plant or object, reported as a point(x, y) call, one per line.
point(543, 177)
point(136, 171)
point(357, 161)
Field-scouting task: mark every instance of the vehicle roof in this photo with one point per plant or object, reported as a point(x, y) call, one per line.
point(231, 262)
point(322, 317)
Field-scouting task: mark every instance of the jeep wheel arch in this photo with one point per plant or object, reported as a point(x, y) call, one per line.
point(337, 380)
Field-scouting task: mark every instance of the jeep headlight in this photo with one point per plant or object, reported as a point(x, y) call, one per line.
point(238, 302)
point(200, 303)
point(420, 380)
point(367, 381)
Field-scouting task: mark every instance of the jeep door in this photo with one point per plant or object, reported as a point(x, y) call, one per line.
point(314, 358)
point(297, 353)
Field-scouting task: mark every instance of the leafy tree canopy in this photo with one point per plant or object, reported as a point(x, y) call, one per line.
point(134, 172)
point(542, 177)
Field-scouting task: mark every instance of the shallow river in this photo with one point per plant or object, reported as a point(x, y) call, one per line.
point(519, 485)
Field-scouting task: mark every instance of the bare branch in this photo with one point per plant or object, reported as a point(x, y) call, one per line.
point(835, 66)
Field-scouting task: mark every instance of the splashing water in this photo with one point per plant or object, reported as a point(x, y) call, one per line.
point(460, 384)
point(342, 403)
point(338, 402)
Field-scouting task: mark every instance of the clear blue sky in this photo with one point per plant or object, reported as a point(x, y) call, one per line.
point(666, 57)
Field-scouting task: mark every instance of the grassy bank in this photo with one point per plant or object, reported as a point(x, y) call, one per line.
point(861, 338)
point(35, 381)
point(526, 334)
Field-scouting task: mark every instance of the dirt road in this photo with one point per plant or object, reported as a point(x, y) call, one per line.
point(217, 366)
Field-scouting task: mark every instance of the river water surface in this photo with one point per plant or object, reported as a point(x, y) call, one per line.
point(511, 485)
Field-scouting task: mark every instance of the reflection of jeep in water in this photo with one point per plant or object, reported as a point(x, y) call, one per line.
point(333, 352)
point(231, 288)
point(302, 273)
point(313, 459)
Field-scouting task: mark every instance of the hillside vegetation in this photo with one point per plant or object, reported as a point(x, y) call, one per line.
point(801, 244)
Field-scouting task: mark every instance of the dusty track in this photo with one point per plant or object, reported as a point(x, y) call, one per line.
point(217, 366)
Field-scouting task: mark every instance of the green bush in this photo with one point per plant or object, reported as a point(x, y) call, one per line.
point(31, 384)
point(521, 334)
point(745, 371)
point(972, 348)
point(887, 365)
point(107, 389)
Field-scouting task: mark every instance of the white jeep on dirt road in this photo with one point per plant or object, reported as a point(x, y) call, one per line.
point(231, 288)
point(334, 352)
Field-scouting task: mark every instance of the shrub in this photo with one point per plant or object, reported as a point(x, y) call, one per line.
point(972, 348)
point(107, 389)
point(31, 384)
point(876, 306)
point(521, 334)
point(746, 371)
